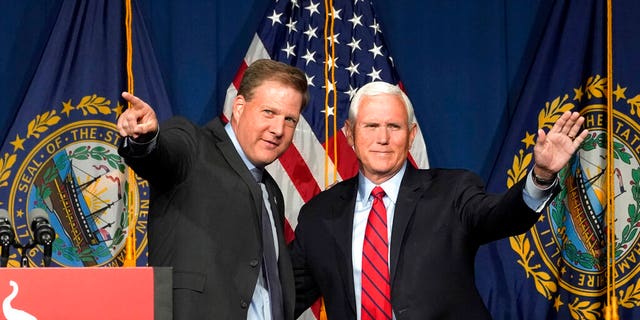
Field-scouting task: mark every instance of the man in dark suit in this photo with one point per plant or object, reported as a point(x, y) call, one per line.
point(208, 217)
point(407, 249)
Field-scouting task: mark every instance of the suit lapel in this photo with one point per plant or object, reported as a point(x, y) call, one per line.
point(232, 157)
point(229, 152)
point(340, 226)
point(410, 190)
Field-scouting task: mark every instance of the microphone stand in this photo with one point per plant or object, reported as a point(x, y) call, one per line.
point(7, 238)
point(4, 259)
point(24, 252)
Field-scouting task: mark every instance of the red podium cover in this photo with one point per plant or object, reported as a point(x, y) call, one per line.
point(77, 293)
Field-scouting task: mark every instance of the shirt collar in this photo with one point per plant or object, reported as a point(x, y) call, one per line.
point(236, 144)
point(391, 187)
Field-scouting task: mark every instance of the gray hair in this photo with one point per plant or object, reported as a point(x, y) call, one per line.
point(377, 88)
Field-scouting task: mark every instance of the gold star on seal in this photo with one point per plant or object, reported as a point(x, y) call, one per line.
point(67, 107)
point(557, 303)
point(117, 110)
point(528, 140)
point(619, 93)
point(18, 143)
point(579, 94)
point(19, 213)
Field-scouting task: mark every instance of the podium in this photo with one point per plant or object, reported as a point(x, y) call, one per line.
point(86, 293)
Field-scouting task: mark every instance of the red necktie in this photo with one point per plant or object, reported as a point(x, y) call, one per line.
point(376, 287)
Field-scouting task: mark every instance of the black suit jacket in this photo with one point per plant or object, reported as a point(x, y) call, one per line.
point(441, 217)
point(204, 221)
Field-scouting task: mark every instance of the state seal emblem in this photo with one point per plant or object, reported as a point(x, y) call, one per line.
point(65, 162)
point(564, 253)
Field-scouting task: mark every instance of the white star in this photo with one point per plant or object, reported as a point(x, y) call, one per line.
point(374, 74)
point(310, 80)
point(329, 86)
point(354, 44)
point(332, 62)
point(289, 50)
point(376, 50)
point(353, 69)
point(294, 3)
point(330, 111)
point(309, 57)
point(351, 92)
point(313, 8)
point(275, 18)
point(311, 33)
point(337, 12)
point(356, 20)
point(376, 27)
point(292, 25)
point(334, 39)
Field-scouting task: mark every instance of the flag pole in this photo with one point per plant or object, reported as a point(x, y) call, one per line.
point(130, 244)
point(611, 308)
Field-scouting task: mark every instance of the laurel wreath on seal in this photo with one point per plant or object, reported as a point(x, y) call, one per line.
point(88, 105)
point(92, 104)
point(545, 285)
point(521, 244)
point(585, 309)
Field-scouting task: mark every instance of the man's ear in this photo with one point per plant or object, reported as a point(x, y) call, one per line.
point(412, 134)
point(349, 133)
point(238, 107)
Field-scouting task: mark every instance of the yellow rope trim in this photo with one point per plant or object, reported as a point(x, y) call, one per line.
point(327, 5)
point(128, 28)
point(611, 310)
point(335, 97)
point(130, 245)
point(329, 73)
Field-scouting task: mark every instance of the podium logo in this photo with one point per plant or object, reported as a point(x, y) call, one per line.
point(11, 313)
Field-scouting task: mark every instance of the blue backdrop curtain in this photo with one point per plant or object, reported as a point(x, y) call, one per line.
point(459, 61)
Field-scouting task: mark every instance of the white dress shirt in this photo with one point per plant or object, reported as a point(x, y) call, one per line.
point(260, 306)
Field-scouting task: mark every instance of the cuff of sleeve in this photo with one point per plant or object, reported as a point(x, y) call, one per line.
point(537, 191)
point(138, 149)
point(536, 197)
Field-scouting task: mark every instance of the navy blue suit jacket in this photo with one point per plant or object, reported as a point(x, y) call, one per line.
point(441, 218)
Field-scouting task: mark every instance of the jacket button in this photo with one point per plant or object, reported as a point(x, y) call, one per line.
point(243, 304)
point(254, 263)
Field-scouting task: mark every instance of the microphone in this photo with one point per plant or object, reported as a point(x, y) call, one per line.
point(43, 233)
point(7, 237)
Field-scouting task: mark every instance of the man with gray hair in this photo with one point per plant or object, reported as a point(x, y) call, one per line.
point(396, 242)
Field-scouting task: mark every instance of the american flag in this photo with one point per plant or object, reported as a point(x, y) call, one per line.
point(340, 47)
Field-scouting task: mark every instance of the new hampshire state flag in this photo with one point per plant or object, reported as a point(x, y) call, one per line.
point(60, 153)
point(558, 269)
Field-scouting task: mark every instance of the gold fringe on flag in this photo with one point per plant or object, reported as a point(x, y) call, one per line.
point(323, 311)
point(611, 305)
point(130, 245)
point(329, 60)
point(330, 82)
